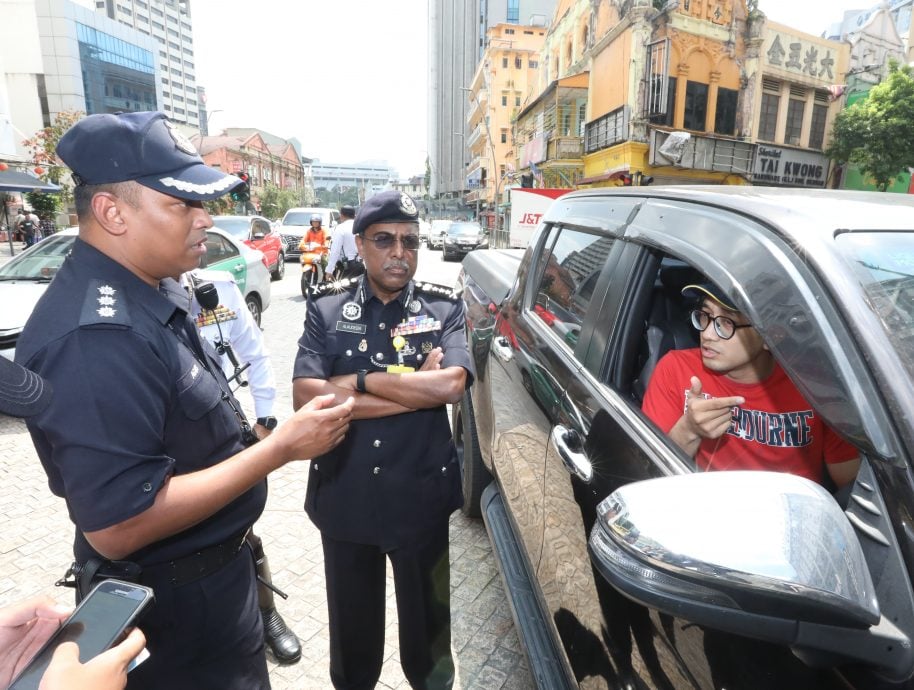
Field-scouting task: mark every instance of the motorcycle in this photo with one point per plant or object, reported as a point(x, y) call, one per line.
point(312, 265)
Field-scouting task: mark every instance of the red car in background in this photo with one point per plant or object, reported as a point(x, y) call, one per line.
point(257, 233)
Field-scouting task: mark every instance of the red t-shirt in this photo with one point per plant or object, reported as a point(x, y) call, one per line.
point(775, 429)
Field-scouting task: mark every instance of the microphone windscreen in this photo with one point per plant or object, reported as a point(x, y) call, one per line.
point(207, 295)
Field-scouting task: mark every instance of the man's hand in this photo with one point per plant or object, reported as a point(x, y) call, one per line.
point(261, 432)
point(24, 628)
point(107, 671)
point(703, 417)
point(318, 427)
point(433, 360)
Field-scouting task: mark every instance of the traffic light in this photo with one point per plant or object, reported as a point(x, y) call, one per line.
point(526, 180)
point(626, 180)
point(243, 191)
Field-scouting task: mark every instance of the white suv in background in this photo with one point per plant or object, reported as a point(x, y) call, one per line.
point(296, 223)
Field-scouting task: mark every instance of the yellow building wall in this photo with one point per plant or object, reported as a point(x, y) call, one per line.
point(609, 78)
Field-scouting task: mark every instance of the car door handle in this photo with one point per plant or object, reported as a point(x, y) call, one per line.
point(576, 462)
point(239, 268)
point(502, 349)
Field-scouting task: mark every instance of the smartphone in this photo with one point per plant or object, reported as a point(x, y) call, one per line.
point(101, 620)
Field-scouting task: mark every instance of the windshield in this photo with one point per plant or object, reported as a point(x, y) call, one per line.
point(883, 263)
point(464, 229)
point(236, 227)
point(40, 262)
point(299, 218)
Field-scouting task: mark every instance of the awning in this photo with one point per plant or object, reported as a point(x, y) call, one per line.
point(15, 181)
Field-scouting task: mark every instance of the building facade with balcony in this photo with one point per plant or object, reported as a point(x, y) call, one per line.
point(251, 151)
point(505, 80)
point(665, 95)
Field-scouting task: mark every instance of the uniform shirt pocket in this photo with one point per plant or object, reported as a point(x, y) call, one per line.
point(198, 389)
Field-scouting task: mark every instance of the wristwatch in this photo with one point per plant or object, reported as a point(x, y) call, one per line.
point(268, 423)
point(360, 380)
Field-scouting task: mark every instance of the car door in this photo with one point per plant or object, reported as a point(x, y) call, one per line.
point(222, 255)
point(267, 242)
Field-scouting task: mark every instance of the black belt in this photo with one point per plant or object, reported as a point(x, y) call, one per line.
point(197, 565)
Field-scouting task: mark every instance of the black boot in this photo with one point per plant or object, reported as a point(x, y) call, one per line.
point(282, 641)
point(279, 638)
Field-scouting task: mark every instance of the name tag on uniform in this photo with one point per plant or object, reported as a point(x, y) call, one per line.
point(351, 327)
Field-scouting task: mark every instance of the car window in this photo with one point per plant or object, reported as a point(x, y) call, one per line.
point(297, 218)
point(464, 229)
point(262, 227)
point(42, 261)
point(567, 275)
point(218, 249)
point(236, 227)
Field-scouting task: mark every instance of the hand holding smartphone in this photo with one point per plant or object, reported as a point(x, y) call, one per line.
point(99, 622)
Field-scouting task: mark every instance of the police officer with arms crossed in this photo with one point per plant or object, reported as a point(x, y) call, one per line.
point(387, 491)
point(217, 307)
point(143, 438)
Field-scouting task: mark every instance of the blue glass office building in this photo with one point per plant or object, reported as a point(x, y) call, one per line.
point(117, 75)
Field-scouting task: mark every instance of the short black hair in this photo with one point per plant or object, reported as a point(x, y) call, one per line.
point(347, 211)
point(83, 193)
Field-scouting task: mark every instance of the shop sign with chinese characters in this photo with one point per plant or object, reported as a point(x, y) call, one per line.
point(800, 57)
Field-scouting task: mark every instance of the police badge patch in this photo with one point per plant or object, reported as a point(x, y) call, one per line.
point(181, 141)
point(407, 206)
point(352, 311)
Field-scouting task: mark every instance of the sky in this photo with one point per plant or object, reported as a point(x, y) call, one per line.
point(811, 16)
point(347, 78)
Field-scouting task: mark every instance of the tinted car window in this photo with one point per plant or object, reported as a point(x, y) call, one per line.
point(297, 218)
point(566, 281)
point(41, 262)
point(472, 229)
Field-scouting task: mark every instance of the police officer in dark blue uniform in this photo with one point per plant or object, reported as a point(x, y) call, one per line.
point(388, 489)
point(144, 439)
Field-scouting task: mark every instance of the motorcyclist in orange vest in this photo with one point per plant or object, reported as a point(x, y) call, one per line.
point(314, 249)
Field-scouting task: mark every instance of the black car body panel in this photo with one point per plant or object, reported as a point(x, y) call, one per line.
point(564, 350)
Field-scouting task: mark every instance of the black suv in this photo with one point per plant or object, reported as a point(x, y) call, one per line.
point(625, 566)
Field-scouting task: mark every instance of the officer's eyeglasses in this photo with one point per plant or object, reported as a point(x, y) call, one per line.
point(723, 326)
point(385, 240)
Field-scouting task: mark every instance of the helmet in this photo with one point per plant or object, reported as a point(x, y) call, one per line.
point(316, 217)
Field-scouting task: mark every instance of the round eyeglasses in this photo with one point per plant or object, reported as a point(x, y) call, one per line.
point(385, 240)
point(723, 326)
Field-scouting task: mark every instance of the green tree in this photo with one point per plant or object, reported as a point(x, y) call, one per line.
point(428, 176)
point(274, 202)
point(877, 134)
point(45, 205)
point(43, 149)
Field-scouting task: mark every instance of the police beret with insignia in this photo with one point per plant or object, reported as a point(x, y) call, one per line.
point(385, 207)
point(141, 147)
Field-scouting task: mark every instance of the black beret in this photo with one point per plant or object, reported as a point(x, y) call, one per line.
point(385, 207)
point(142, 147)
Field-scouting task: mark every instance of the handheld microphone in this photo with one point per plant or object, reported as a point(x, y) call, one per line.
point(208, 297)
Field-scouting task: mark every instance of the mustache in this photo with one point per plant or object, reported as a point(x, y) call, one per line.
point(396, 263)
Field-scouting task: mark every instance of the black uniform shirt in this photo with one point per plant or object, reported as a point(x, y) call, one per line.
point(132, 404)
point(394, 476)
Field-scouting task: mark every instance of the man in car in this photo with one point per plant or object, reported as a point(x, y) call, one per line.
point(729, 405)
point(143, 438)
point(400, 348)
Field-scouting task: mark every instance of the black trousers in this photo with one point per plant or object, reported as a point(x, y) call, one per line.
point(356, 579)
point(205, 635)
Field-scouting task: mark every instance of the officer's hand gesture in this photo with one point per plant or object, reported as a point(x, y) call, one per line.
point(433, 360)
point(316, 428)
point(705, 416)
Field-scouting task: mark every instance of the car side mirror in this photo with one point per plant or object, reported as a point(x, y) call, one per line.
point(765, 555)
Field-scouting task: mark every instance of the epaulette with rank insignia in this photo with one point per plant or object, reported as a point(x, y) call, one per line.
point(104, 304)
point(438, 290)
point(332, 288)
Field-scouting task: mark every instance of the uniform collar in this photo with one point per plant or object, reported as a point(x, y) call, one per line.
point(365, 294)
point(95, 264)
